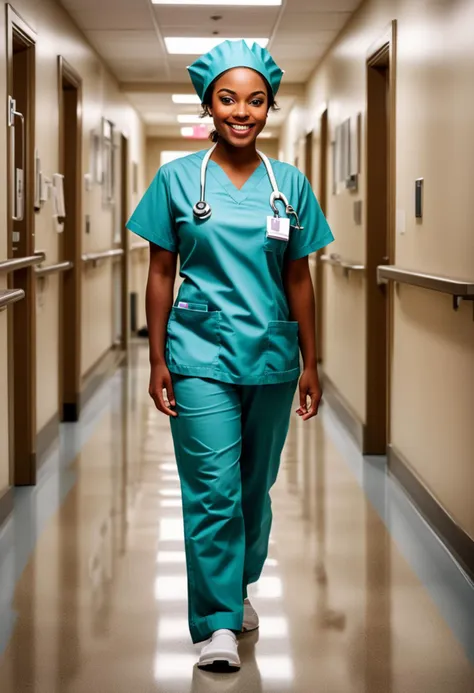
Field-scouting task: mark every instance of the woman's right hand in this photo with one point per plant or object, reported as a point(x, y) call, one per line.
point(160, 380)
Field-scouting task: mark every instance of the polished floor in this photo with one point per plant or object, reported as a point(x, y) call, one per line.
point(357, 596)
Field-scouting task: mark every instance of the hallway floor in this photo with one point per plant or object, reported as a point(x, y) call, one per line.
point(358, 595)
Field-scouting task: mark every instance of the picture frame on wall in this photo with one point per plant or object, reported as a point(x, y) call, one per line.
point(96, 158)
point(108, 158)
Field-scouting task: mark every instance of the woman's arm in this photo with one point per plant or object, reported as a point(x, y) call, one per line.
point(159, 300)
point(300, 295)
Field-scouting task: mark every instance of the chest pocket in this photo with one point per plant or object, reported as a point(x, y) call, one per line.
point(274, 245)
point(193, 337)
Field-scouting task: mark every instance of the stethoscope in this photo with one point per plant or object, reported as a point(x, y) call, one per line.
point(202, 209)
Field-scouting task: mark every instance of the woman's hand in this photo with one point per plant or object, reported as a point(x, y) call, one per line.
point(160, 379)
point(309, 385)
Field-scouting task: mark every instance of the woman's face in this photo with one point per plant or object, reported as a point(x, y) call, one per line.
point(239, 106)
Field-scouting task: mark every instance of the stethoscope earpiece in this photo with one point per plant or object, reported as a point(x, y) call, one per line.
point(202, 210)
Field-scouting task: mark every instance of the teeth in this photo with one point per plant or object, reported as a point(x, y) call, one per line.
point(239, 127)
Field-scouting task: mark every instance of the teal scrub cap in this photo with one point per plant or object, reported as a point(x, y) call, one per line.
point(230, 54)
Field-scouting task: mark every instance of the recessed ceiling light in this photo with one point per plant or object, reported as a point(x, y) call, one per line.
point(187, 132)
point(186, 98)
point(194, 120)
point(220, 3)
point(186, 45)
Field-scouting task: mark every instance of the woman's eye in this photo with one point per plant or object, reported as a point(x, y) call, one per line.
point(226, 100)
point(257, 102)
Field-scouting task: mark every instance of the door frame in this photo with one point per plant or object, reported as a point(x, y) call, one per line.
point(22, 319)
point(322, 199)
point(124, 213)
point(380, 249)
point(69, 385)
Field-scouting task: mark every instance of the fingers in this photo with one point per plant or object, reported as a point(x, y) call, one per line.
point(164, 403)
point(307, 413)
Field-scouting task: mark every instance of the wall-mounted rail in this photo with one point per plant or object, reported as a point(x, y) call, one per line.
point(347, 267)
point(16, 263)
point(9, 296)
point(459, 289)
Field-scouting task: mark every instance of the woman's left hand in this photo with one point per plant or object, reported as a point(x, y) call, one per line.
point(309, 386)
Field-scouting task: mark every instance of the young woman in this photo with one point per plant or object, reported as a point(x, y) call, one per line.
point(227, 351)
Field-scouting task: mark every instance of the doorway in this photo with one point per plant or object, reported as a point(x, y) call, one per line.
point(120, 243)
point(69, 250)
point(322, 199)
point(124, 198)
point(21, 41)
point(379, 238)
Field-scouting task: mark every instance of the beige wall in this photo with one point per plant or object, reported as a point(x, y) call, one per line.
point(433, 362)
point(58, 35)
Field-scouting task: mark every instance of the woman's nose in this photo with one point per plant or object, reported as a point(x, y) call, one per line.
point(241, 111)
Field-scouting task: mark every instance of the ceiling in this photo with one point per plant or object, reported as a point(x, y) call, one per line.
point(129, 36)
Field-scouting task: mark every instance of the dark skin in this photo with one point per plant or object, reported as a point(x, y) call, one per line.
point(239, 98)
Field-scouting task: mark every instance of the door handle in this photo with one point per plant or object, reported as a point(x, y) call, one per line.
point(12, 114)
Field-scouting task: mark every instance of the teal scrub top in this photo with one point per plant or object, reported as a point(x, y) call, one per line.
point(234, 324)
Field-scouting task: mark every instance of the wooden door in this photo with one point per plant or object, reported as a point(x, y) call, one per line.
point(20, 225)
point(70, 157)
point(380, 238)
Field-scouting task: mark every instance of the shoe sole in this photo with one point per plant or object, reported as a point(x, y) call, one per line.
point(222, 666)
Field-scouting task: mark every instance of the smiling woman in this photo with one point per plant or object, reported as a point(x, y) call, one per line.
point(239, 102)
point(226, 349)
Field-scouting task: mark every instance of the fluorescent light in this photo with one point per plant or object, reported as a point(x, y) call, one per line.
point(187, 132)
point(266, 135)
point(188, 45)
point(194, 120)
point(186, 98)
point(220, 3)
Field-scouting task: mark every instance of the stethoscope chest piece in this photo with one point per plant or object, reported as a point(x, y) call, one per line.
point(202, 210)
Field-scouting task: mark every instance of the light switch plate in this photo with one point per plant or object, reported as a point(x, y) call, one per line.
point(401, 221)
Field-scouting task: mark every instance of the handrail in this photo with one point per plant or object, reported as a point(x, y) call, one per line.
point(139, 245)
point(103, 255)
point(16, 263)
point(53, 269)
point(9, 296)
point(459, 289)
point(336, 261)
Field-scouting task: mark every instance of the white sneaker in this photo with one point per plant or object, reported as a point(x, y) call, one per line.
point(220, 653)
point(251, 621)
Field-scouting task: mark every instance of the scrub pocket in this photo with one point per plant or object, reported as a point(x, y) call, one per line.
point(193, 337)
point(274, 245)
point(282, 347)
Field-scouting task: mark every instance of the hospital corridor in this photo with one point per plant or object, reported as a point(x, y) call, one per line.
point(237, 346)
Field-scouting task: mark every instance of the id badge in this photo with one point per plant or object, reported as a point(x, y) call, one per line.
point(278, 228)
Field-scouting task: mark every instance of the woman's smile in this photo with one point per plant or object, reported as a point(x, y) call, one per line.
point(240, 129)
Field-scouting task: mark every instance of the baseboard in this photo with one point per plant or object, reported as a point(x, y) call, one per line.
point(45, 439)
point(6, 504)
point(343, 410)
point(100, 371)
point(458, 542)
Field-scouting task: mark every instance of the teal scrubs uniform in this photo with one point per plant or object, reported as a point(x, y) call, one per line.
point(234, 358)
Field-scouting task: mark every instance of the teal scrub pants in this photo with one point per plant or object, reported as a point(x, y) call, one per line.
point(228, 441)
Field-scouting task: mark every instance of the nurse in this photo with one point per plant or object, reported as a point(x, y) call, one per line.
point(227, 351)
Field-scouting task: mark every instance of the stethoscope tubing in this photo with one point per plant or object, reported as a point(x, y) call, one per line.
point(275, 195)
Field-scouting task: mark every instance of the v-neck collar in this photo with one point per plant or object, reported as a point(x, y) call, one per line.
point(237, 195)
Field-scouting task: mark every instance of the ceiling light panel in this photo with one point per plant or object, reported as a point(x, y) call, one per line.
point(186, 99)
point(187, 45)
point(221, 3)
point(193, 120)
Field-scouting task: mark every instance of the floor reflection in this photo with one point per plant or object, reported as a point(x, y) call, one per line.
point(354, 597)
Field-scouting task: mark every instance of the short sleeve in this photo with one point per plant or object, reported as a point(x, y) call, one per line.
point(315, 233)
point(153, 218)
